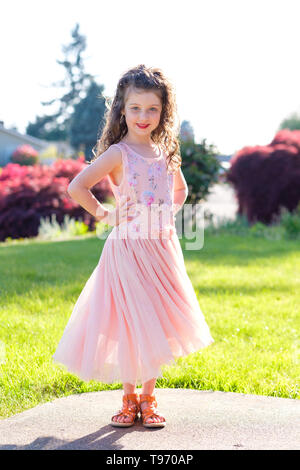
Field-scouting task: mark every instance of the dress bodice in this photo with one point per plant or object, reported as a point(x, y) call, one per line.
point(150, 186)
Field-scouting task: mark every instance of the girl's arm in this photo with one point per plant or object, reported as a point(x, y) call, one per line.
point(180, 191)
point(79, 188)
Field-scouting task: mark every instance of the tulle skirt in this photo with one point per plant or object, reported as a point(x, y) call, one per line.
point(137, 312)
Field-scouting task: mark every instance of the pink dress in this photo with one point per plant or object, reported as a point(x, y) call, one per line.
point(138, 310)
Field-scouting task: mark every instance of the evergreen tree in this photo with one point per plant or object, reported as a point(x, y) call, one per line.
point(187, 132)
point(56, 126)
point(87, 114)
point(292, 122)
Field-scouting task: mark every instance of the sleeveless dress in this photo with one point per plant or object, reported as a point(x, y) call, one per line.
point(138, 310)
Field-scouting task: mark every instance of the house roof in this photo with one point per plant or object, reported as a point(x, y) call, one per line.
point(26, 137)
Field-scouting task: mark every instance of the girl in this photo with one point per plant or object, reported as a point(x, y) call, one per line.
point(138, 309)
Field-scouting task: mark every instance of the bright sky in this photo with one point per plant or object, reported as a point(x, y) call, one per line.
point(234, 64)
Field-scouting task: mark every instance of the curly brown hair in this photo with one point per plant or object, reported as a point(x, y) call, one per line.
point(167, 132)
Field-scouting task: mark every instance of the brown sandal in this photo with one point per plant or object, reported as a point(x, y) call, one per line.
point(128, 410)
point(150, 411)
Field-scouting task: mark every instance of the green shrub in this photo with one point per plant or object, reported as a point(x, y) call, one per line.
point(52, 230)
point(271, 232)
point(291, 222)
point(200, 167)
point(285, 226)
point(237, 226)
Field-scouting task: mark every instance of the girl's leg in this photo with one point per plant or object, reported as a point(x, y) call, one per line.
point(128, 388)
point(148, 389)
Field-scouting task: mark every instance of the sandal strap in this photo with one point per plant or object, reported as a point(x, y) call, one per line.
point(131, 396)
point(150, 414)
point(128, 409)
point(151, 410)
point(127, 412)
point(149, 398)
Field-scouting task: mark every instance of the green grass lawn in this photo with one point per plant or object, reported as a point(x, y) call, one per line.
point(248, 289)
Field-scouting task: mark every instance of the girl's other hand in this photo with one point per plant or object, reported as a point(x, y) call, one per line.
point(120, 213)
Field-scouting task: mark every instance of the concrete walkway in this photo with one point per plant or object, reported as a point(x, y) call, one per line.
point(195, 420)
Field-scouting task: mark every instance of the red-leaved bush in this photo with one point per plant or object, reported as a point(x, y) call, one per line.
point(267, 177)
point(28, 193)
point(25, 155)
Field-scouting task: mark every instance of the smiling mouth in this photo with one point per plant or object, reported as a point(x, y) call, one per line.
point(143, 126)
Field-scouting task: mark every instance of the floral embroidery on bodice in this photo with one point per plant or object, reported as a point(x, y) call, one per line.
point(150, 186)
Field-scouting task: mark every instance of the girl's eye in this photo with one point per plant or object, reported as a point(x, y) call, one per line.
point(135, 107)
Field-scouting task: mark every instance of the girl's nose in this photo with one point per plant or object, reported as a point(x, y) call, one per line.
point(143, 115)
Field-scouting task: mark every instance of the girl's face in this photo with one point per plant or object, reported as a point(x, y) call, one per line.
point(142, 112)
